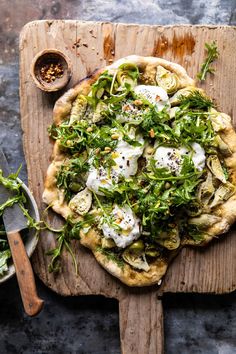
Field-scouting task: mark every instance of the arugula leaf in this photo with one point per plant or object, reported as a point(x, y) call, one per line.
point(112, 89)
point(31, 223)
point(70, 231)
point(194, 232)
point(156, 120)
point(212, 54)
point(71, 137)
point(195, 100)
point(191, 126)
point(11, 182)
point(54, 265)
point(4, 257)
point(69, 176)
point(75, 138)
point(111, 255)
point(10, 202)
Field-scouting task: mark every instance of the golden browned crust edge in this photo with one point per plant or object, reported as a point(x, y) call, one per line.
point(63, 105)
point(127, 274)
point(227, 210)
point(142, 62)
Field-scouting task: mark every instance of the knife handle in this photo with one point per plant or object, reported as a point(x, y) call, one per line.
point(24, 273)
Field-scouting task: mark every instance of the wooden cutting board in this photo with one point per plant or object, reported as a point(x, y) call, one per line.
point(90, 45)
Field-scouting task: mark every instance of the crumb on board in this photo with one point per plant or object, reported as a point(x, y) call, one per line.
point(92, 34)
point(76, 44)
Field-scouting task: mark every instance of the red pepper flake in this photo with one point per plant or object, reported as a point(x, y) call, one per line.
point(51, 72)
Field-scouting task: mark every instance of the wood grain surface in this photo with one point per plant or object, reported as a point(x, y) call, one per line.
point(91, 45)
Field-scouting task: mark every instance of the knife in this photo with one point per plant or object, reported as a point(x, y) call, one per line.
point(15, 221)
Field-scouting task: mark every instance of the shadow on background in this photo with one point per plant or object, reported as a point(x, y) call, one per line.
point(200, 323)
point(194, 323)
point(84, 324)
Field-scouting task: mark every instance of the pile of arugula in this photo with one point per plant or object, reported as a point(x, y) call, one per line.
point(13, 183)
point(157, 196)
point(160, 198)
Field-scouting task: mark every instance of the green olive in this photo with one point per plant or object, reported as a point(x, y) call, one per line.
point(137, 246)
point(75, 186)
point(108, 243)
point(152, 251)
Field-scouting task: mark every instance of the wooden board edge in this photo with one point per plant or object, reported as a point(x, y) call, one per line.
point(23, 33)
point(49, 21)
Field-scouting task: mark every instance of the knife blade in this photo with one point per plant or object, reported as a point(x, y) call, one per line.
point(13, 217)
point(15, 221)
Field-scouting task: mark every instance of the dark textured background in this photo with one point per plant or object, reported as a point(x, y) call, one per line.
point(194, 324)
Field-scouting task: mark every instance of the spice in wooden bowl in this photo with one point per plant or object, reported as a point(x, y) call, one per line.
point(51, 70)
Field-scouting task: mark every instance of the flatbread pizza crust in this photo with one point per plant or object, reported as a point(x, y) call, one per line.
point(92, 240)
point(126, 273)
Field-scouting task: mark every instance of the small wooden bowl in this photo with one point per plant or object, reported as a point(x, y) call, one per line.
point(45, 58)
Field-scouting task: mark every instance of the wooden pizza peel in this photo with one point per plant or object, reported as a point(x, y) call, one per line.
point(91, 45)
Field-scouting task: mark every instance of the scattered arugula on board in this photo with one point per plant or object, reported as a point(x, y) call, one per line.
point(68, 232)
point(212, 55)
point(11, 182)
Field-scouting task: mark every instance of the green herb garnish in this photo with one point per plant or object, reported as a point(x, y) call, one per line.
point(195, 100)
point(4, 257)
point(69, 176)
point(112, 256)
point(12, 183)
point(70, 231)
point(212, 54)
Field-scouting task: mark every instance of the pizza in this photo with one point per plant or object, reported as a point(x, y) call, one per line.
point(144, 164)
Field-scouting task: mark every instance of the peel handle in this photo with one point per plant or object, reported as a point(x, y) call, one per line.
point(24, 273)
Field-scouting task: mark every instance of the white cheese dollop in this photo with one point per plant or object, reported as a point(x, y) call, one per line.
point(198, 157)
point(129, 113)
point(172, 158)
point(129, 226)
point(126, 158)
point(154, 94)
point(100, 178)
